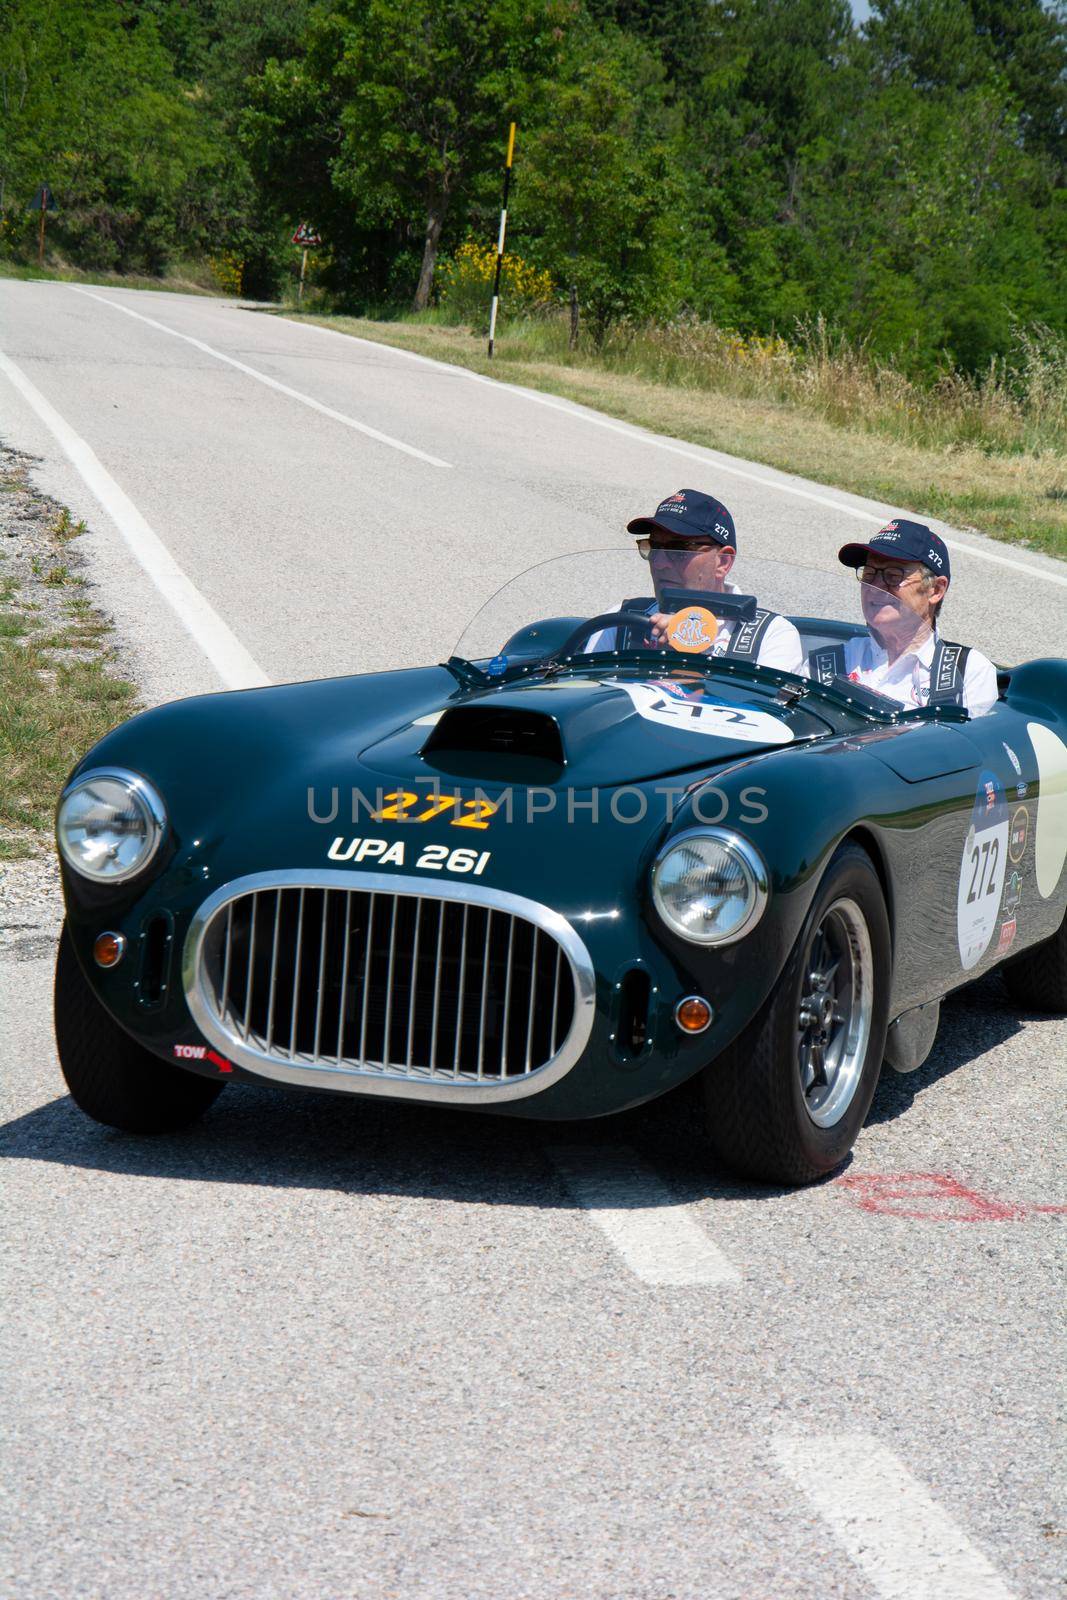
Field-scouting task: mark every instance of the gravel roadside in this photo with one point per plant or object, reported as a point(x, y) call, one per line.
point(75, 686)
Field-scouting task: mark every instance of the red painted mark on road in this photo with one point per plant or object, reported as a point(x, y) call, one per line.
point(933, 1197)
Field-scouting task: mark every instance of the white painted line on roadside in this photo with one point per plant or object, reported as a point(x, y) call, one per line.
point(886, 1520)
point(644, 436)
point(223, 649)
point(661, 1242)
point(270, 383)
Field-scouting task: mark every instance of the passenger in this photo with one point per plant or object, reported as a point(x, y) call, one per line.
point(904, 576)
point(690, 543)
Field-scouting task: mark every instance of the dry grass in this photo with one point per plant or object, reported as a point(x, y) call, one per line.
point(986, 456)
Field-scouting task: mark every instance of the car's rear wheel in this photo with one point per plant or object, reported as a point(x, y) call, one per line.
point(786, 1101)
point(1038, 977)
point(110, 1076)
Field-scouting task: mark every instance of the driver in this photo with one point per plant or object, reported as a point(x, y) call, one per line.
point(690, 543)
point(904, 576)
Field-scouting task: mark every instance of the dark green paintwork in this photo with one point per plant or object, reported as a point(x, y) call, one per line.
point(236, 772)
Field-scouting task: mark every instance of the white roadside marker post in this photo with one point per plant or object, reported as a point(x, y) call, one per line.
point(500, 239)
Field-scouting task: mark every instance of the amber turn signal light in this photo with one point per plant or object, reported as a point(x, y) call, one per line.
point(108, 949)
point(693, 1014)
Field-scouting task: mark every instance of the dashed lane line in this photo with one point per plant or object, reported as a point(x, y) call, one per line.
point(661, 1241)
point(722, 463)
point(886, 1520)
point(220, 645)
point(270, 383)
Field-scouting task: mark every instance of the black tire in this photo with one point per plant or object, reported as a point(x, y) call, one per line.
point(1037, 979)
point(110, 1076)
point(758, 1116)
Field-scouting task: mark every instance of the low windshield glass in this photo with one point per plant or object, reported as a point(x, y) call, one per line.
point(571, 612)
point(593, 582)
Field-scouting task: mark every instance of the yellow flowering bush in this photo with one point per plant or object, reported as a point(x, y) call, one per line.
point(465, 284)
point(227, 271)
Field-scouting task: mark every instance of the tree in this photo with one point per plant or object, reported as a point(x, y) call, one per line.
point(1015, 45)
point(593, 187)
point(412, 98)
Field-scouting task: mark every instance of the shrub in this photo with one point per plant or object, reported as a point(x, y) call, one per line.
point(465, 286)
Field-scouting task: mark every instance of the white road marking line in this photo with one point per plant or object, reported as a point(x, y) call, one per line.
point(632, 431)
point(271, 383)
point(661, 1242)
point(223, 649)
point(886, 1520)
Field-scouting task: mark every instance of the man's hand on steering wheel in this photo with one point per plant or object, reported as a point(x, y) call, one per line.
point(659, 621)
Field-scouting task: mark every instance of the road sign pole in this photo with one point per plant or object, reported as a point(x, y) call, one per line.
point(40, 231)
point(303, 269)
point(500, 240)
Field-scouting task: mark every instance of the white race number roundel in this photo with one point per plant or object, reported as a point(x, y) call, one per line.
point(696, 713)
point(985, 855)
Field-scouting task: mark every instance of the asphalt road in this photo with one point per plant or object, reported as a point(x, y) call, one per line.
point(320, 1348)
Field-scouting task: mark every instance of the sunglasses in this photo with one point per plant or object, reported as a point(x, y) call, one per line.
point(893, 578)
point(648, 547)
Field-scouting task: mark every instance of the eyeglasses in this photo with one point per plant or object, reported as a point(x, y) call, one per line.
point(892, 578)
point(674, 547)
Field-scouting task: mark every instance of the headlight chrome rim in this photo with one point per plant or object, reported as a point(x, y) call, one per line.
point(752, 864)
point(142, 794)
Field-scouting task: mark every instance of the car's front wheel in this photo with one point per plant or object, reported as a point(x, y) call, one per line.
point(110, 1076)
point(786, 1101)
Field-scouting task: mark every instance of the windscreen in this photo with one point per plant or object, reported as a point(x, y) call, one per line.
point(595, 583)
point(868, 634)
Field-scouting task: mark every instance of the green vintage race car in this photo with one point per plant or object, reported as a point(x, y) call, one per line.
point(563, 872)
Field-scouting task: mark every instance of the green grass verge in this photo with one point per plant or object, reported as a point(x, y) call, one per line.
point(194, 280)
point(1016, 495)
point(59, 691)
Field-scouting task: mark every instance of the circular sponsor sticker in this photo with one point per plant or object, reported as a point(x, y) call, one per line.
point(692, 630)
point(985, 855)
point(1020, 827)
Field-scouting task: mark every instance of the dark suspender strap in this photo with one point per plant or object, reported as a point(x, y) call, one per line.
point(947, 672)
point(748, 636)
point(827, 664)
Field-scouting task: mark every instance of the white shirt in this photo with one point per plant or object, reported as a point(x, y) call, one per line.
point(907, 679)
point(780, 646)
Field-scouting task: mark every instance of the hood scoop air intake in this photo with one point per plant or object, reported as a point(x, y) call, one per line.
point(511, 734)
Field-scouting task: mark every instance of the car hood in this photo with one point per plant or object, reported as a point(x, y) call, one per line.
point(271, 777)
point(587, 732)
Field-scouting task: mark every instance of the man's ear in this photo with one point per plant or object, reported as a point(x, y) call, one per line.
point(939, 588)
point(726, 559)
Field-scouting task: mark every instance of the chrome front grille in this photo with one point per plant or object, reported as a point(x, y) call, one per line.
point(328, 976)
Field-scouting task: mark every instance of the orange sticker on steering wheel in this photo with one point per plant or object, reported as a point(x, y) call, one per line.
point(692, 630)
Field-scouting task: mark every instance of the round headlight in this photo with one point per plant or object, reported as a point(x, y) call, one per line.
point(109, 825)
point(710, 886)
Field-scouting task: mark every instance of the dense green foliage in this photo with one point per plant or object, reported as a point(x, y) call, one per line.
point(751, 162)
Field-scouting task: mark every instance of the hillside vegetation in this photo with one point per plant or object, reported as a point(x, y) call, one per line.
point(751, 198)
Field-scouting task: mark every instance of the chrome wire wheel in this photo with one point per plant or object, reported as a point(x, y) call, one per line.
point(835, 1011)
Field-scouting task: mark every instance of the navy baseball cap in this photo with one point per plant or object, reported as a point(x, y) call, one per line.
point(907, 541)
point(689, 515)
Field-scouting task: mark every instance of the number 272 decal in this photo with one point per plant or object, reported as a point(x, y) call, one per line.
point(466, 813)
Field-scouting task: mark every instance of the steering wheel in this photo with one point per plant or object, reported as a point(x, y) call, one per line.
point(605, 619)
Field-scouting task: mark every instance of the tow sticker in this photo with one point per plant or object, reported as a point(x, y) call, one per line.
point(662, 703)
point(985, 855)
